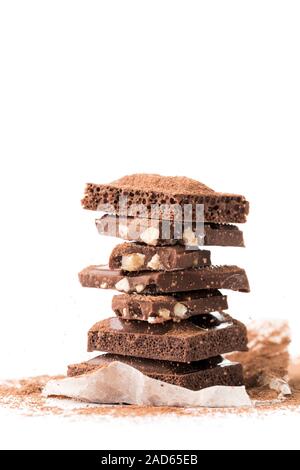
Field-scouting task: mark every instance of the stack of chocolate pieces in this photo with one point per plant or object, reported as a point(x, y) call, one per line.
point(170, 321)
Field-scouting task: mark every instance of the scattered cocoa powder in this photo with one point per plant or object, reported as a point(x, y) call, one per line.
point(268, 355)
point(294, 374)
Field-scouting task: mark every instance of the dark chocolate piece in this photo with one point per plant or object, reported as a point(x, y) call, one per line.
point(154, 282)
point(194, 376)
point(162, 308)
point(142, 191)
point(134, 257)
point(161, 233)
point(195, 339)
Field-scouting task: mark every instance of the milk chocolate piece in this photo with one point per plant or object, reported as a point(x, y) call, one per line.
point(195, 339)
point(142, 191)
point(162, 308)
point(194, 376)
point(139, 257)
point(160, 233)
point(154, 282)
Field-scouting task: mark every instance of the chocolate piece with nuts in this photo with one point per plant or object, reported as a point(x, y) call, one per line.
point(155, 282)
point(161, 233)
point(194, 339)
point(194, 376)
point(162, 308)
point(139, 257)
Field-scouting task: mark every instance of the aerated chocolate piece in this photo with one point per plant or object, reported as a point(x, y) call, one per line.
point(155, 282)
point(139, 257)
point(142, 191)
point(194, 376)
point(160, 233)
point(162, 308)
point(195, 339)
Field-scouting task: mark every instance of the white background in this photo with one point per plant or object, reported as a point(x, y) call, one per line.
point(93, 90)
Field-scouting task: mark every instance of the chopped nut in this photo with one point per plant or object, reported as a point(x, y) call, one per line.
point(180, 310)
point(150, 236)
point(132, 262)
point(139, 288)
point(155, 263)
point(152, 319)
point(123, 231)
point(124, 312)
point(189, 237)
point(123, 285)
point(164, 313)
point(103, 285)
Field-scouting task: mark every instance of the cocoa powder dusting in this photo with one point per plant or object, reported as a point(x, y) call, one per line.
point(165, 184)
point(26, 397)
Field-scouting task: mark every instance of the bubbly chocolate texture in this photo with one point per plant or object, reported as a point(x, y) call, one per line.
point(133, 257)
point(155, 282)
point(194, 339)
point(163, 308)
point(142, 191)
point(194, 376)
point(165, 233)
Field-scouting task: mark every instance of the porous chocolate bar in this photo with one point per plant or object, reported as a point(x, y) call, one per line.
point(155, 282)
point(162, 308)
point(139, 257)
point(161, 233)
point(136, 195)
point(194, 339)
point(194, 376)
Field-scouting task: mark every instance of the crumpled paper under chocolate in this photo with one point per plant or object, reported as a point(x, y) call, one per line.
point(120, 383)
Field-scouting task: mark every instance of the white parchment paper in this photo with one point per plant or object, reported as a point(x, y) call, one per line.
point(120, 383)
